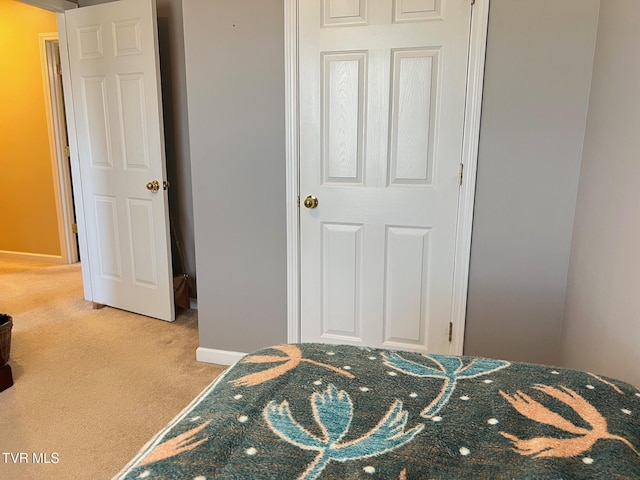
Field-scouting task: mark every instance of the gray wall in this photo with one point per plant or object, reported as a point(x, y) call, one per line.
point(235, 85)
point(537, 85)
point(537, 78)
point(174, 96)
point(603, 296)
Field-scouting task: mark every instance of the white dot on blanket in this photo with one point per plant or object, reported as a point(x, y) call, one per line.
point(464, 397)
point(555, 372)
point(413, 395)
point(627, 411)
point(195, 419)
point(637, 394)
point(251, 451)
point(492, 421)
point(392, 374)
point(243, 419)
point(372, 358)
point(347, 367)
point(488, 381)
point(144, 474)
point(590, 387)
point(464, 451)
point(200, 477)
point(331, 353)
point(587, 460)
point(436, 419)
point(318, 382)
point(237, 397)
point(364, 389)
point(369, 469)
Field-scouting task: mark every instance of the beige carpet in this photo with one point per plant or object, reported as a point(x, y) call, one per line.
point(91, 386)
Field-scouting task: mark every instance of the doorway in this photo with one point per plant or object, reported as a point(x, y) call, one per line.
point(31, 192)
point(120, 186)
point(58, 146)
point(468, 156)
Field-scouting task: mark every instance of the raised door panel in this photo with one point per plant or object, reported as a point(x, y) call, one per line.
point(89, 42)
point(133, 123)
point(142, 241)
point(97, 125)
point(108, 233)
point(127, 37)
point(406, 286)
point(343, 116)
point(413, 94)
point(342, 247)
point(344, 12)
point(417, 10)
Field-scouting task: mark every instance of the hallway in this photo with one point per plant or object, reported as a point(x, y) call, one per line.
point(90, 385)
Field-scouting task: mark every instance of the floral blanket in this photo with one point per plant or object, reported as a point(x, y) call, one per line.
point(310, 411)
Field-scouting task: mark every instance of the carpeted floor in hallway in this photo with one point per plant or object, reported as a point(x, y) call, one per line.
point(91, 386)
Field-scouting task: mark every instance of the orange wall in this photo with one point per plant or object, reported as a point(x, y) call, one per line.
point(28, 221)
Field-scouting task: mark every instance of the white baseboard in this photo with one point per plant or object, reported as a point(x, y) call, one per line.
point(35, 257)
point(221, 357)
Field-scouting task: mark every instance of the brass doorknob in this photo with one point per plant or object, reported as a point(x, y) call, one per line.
point(153, 186)
point(311, 202)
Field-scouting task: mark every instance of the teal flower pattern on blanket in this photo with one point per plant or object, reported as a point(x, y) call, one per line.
point(333, 412)
point(450, 369)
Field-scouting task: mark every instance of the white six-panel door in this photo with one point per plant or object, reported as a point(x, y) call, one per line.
point(382, 88)
point(115, 80)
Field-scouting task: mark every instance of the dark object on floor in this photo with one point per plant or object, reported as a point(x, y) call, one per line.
point(181, 290)
point(180, 280)
point(6, 323)
point(6, 378)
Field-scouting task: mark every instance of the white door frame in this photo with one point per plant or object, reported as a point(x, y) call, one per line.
point(56, 125)
point(477, 50)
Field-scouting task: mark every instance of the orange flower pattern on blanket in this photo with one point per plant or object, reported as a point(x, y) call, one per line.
point(323, 411)
point(293, 358)
point(175, 446)
point(560, 447)
point(612, 385)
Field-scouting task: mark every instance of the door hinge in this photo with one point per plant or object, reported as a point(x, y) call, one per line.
point(473, 2)
point(298, 201)
point(460, 170)
point(67, 152)
point(58, 69)
point(74, 227)
point(450, 331)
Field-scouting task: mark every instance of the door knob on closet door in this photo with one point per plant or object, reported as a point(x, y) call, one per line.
point(153, 186)
point(311, 202)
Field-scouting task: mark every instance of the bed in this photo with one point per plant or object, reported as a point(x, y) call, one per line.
point(307, 411)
